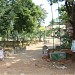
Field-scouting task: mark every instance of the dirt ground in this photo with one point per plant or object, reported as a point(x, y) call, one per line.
point(30, 62)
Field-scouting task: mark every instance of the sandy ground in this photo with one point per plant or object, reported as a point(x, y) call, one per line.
point(30, 62)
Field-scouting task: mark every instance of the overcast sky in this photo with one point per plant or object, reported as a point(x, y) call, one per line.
point(47, 7)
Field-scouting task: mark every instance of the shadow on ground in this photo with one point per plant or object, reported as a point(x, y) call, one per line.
point(30, 62)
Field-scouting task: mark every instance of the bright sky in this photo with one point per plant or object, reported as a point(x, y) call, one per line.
point(47, 7)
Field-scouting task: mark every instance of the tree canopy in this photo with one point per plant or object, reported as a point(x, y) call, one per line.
point(69, 14)
point(20, 15)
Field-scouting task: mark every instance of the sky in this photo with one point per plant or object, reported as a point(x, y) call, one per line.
point(47, 7)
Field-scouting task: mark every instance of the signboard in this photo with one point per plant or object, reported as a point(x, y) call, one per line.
point(57, 56)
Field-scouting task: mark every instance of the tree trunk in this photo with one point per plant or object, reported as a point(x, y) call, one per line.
point(7, 35)
point(70, 6)
point(70, 9)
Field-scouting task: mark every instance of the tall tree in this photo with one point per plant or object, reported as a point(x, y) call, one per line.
point(70, 10)
point(28, 15)
point(20, 15)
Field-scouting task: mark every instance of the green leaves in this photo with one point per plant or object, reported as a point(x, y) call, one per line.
point(54, 1)
point(20, 15)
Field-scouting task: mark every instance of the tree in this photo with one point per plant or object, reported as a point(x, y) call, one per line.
point(70, 7)
point(28, 15)
point(54, 1)
point(5, 18)
point(63, 14)
point(66, 14)
point(20, 15)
